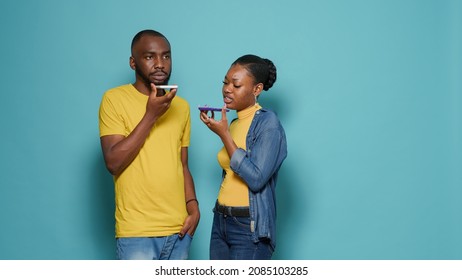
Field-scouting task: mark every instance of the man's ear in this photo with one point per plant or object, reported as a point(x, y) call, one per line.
point(132, 63)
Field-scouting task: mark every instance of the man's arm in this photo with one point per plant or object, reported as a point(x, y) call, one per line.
point(192, 205)
point(118, 150)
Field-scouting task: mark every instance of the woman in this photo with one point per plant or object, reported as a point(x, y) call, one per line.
point(244, 224)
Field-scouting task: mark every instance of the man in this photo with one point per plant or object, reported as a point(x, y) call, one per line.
point(145, 135)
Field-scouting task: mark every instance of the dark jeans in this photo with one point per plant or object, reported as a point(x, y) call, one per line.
point(231, 239)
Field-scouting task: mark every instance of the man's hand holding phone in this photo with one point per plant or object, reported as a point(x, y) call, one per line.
point(158, 104)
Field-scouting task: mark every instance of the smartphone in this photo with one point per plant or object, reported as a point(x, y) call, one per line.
point(208, 109)
point(167, 87)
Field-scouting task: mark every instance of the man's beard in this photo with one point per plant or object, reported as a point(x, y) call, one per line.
point(146, 79)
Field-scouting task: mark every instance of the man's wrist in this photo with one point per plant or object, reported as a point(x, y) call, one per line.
point(192, 200)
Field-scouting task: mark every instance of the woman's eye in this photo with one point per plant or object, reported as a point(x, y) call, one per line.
point(237, 86)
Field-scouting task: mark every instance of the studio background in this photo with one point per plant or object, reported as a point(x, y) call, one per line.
point(369, 93)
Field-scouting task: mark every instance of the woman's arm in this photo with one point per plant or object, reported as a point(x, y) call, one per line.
point(264, 159)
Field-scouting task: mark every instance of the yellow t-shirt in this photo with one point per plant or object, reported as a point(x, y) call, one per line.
point(233, 190)
point(149, 193)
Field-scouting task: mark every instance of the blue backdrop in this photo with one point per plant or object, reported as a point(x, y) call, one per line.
point(369, 92)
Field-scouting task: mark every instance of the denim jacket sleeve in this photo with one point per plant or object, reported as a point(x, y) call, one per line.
point(266, 150)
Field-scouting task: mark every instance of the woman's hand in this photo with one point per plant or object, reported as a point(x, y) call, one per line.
point(220, 127)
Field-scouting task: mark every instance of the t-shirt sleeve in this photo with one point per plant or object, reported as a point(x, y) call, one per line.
point(187, 131)
point(110, 122)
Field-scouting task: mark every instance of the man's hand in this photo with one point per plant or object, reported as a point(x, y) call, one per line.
point(158, 105)
point(192, 220)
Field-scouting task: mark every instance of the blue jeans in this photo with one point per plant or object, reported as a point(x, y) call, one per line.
point(154, 248)
point(231, 239)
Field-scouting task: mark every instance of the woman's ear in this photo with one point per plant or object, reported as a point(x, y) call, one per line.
point(257, 89)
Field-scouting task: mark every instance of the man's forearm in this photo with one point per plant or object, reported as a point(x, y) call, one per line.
point(120, 154)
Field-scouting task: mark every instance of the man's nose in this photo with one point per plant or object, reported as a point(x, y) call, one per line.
point(158, 63)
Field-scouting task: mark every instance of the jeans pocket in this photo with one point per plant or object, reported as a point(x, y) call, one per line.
point(242, 221)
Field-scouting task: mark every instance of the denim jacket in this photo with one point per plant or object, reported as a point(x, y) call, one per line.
point(258, 166)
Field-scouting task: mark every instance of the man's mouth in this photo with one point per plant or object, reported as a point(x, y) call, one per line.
point(159, 76)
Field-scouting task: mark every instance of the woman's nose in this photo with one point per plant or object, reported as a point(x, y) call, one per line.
point(227, 88)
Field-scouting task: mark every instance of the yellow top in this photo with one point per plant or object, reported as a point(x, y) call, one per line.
point(234, 191)
point(149, 193)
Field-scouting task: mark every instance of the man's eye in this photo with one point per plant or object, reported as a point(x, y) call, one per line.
point(149, 57)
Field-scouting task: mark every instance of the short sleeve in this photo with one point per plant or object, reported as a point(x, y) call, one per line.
point(187, 130)
point(110, 122)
